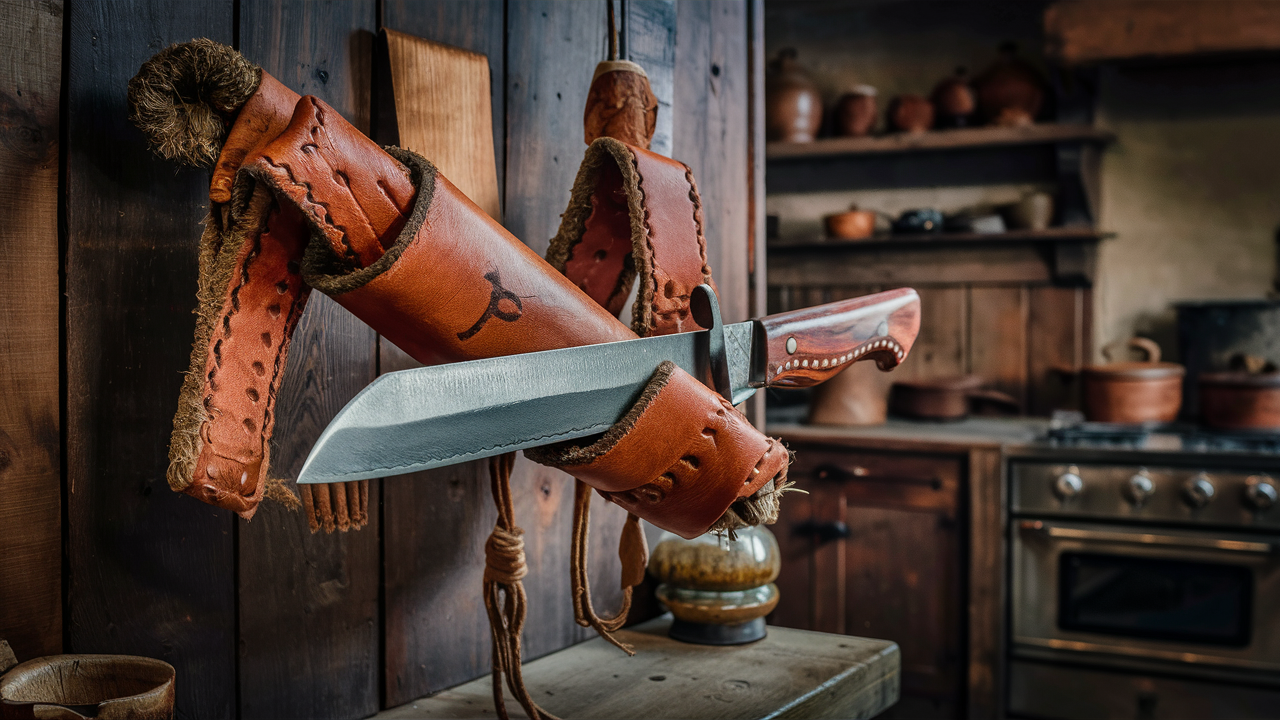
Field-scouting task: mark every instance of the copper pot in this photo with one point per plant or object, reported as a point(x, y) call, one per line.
point(1133, 392)
point(1240, 400)
point(954, 101)
point(793, 107)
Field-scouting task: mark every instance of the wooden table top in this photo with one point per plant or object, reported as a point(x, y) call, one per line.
point(789, 674)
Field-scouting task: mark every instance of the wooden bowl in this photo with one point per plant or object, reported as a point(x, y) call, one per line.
point(851, 225)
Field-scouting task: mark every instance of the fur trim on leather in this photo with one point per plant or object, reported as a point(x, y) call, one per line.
point(182, 99)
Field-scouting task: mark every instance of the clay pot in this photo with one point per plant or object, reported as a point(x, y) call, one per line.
point(1134, 392)
point(946, 398)
point(1240, 400)
point(1011, 91)
point(910, 113)
point(852, 225)
point(793, 107)
point(954, 101)
point(856, 112)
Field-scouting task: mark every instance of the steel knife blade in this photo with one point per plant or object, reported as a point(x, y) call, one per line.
point(444, 414)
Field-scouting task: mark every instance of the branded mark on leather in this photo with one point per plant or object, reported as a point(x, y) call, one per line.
point(495, 306)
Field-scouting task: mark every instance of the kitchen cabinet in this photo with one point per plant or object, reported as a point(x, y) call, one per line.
point(900, 537)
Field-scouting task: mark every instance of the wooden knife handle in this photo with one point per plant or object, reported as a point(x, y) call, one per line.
point(808, 346)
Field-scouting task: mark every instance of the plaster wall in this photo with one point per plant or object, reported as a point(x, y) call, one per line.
point(1191, 188)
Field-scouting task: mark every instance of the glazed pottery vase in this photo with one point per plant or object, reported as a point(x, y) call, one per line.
point(910, 114)
point(793, 106)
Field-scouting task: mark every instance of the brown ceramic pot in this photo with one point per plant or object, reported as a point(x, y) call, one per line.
point(852, 225)
point(793, 107)
point(1134, 392)
point(945, 398)
point(1240, 400)
point(910, 113)
point(856, 112)
point(954, 101)
point(1011, 91)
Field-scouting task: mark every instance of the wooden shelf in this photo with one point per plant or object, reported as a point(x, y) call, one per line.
point(1059, 256)
point(935, 140)
point(942, 239)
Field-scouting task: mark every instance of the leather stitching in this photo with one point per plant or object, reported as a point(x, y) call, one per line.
point(349, 253)
point(696, 199)
point(650, 268)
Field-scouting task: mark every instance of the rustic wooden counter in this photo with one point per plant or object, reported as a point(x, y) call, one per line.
point(789, 674)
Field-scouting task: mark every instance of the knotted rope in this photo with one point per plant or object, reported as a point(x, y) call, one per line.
point(504, 567)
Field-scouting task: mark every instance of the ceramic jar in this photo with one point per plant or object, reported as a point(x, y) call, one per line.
point(856, 111)
point(910, 114)
point(954, 101)
point(1011, 91)
point(793, 106)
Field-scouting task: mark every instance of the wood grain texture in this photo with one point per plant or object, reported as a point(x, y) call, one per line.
point(552, 49)
point(711, 137)
point(789, 674)
point(308, 604)
point(1091, 30)
point(647, 37)
point(151, 571)
point(940, 349)
point(436, 522)
point(1056, 341)
point(30, 414)
point(986, 601)
point(443, 112)
point(998, 337)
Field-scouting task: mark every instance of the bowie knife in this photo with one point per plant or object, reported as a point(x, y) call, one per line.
point(444, 414)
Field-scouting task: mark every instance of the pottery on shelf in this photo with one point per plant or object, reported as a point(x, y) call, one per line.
point(856, 111)
point(793, 106)
point(854, 224)
point(1033, 212)
point(954, 101)
point(910, 114)
point(1011, 91)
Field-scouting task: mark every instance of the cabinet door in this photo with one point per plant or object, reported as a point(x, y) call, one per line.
point(875, 550)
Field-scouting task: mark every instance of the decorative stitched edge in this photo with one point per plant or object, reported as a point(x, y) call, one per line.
point(573, 224)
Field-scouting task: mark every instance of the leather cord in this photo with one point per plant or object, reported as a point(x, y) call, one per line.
point(504, 568)
point(583, 611)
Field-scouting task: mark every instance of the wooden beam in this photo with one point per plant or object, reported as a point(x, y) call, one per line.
point(1081, 31)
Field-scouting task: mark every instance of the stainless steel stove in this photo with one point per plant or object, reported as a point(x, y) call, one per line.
point(1144, 575)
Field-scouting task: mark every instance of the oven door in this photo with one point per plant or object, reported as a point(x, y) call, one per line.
point(1183, 596)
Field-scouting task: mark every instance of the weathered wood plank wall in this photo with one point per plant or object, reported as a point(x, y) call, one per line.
point(262, 618)
point(30, 327)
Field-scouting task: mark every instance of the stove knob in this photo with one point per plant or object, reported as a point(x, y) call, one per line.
point(1260, 492)
point(1198, 491)
point(1139, 488)
point(1068, 485)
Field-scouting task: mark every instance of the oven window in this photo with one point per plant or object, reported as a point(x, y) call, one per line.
point(1161, 599)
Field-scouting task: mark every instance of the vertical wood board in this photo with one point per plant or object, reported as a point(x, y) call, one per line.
point(30, 413)
point(151, 571)
point(309, 624)
point(436, 522)
point(647, 36)
point(997, 342)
